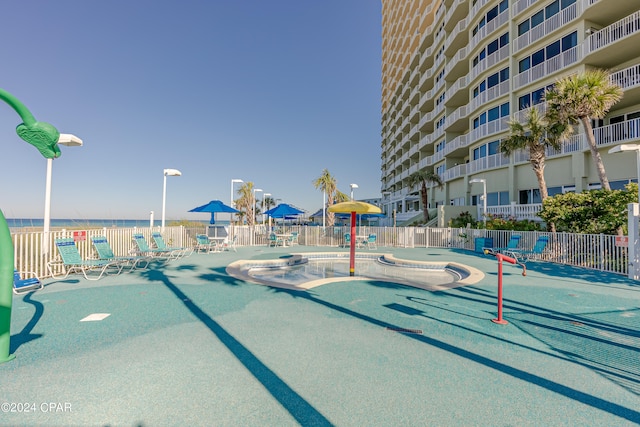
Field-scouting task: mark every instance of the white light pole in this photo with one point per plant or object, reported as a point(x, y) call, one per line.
point(484, 197)
point(151, 220)
point(352, 187)
point(232, 203)
point(264, 196)
point(167, 172)
point(69, 141)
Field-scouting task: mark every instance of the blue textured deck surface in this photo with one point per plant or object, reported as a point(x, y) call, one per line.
point(186, 344)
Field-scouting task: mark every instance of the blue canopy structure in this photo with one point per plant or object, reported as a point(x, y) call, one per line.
point(214, 207)
point(283, 210)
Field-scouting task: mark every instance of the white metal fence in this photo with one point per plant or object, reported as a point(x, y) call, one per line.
point(599, 251)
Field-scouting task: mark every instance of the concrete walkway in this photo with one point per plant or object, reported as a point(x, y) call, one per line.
point(187, 344)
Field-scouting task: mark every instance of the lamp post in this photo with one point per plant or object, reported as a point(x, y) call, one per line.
point(69, 141)
point(264, 196)
point(484, 197)
point(167, 172)
point(352, 187)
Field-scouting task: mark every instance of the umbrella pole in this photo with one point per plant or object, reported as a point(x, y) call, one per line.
point(352, 253)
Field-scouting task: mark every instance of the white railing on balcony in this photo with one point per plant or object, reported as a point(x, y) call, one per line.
point(545, 68)
point(627, 78)
point(490, 94)
point(618, 132)
point(555, 22)
point(458, 142)
point(491, 60)
point(459, 56)
point(455, 172)
point(460, 84)
point(489, 162)
point(516, 211)
point(490, 128)
point(614, 32)
point(521, 5)
point(460, 113)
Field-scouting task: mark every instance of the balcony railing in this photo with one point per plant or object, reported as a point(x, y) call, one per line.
point(550, 66)
point(558, 20)
point(613, 33)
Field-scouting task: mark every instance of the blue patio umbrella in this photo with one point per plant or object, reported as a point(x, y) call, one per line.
point(214, 207)
point(283, 211)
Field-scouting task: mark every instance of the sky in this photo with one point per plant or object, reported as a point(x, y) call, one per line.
point(267, 91)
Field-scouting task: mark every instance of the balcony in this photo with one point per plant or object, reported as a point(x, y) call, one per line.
point(625, 34)
point(548, 67)
point(548, 26)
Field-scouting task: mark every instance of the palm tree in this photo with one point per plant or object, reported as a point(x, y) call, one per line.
point(245, 202)
point(421, 177)
point(581, 98)
point(534, 135)
point(328, 185)
point(269, 202)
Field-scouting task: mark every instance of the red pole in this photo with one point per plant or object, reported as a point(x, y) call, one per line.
point(352, 252)
point(499, 320)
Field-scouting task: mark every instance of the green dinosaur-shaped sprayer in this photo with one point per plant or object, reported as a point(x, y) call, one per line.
point(44, 137)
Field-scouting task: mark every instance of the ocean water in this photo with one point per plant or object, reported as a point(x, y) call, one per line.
point(17, 223)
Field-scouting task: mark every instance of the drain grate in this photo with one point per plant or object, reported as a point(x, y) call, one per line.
point(405, 331)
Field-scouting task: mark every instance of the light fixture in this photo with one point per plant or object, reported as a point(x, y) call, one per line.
point(68, 140)
point(166, 173)
point(352, 187)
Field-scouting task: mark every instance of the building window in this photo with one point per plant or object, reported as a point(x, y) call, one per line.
point(485, 150)
point(528, 197)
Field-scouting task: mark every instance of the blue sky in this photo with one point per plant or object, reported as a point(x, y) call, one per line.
point(271, 92)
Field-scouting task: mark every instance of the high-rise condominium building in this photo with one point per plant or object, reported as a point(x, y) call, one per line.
point(455, 71)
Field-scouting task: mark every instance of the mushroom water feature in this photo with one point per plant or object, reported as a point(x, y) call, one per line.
point(44, 137)
point(354, 208)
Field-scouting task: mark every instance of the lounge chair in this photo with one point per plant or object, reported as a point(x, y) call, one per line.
point(71, 262)
point(179, 251)
point(143, 249)
point(25, 281)
point(105, 252)
point(534, 253)
point(512, 244)
point(205, 245)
